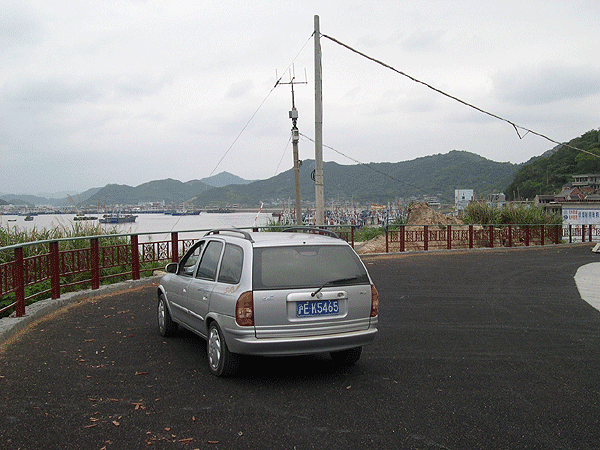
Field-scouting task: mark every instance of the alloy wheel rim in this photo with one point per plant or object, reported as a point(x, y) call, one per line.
point(214, 349)
point(161, 315)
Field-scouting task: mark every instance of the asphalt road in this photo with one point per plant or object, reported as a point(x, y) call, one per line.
point(476, 350)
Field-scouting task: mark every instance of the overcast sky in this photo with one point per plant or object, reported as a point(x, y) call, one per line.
point(98, 92)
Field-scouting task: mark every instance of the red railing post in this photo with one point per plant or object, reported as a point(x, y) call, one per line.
point(449, 237)
point(542, 230)
point(387, 240)
point(510, 235)
point(526, 235)
point(54, 271)
point(491, 236)
point(95, 263)
point(558, 228)
point(135, 257)
point(582, 233)
point(470, 236)
point(352, 234)
point(19, 282)
point(590, 235)
point(402, 238)
point(174, 247)
point(425, 237)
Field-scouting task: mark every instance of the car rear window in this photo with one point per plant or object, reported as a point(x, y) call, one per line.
point(306, 266)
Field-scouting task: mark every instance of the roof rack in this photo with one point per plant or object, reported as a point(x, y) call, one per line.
point(313, 230)
point(245, 234)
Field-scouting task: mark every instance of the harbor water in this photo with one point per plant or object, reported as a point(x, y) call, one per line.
point(145, 223)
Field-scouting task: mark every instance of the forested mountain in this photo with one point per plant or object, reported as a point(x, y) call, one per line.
point(169, 190)
point(548, 174)
point(377, 182)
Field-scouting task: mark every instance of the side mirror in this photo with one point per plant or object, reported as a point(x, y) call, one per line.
point(172, 267)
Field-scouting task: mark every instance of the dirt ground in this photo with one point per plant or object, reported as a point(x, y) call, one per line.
point(418, 214)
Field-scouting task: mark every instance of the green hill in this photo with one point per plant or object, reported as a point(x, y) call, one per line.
point(376, 182)
point(548, 174)
point(169, 190)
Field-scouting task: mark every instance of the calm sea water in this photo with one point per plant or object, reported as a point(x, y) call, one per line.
point(146, 222)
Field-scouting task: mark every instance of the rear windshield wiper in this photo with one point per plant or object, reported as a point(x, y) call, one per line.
point(340, 280)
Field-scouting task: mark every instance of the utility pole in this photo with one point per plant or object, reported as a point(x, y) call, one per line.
point(319, 191)
point(295, 139)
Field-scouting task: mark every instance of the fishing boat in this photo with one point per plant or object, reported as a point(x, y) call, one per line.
point(220, 211)
point(28, 218)
point(117, 218)
point(85, 218)
point(82, 216)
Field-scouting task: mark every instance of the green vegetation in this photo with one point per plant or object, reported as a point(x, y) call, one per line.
point(14, 235)
point(484, 214)
point(547, 174)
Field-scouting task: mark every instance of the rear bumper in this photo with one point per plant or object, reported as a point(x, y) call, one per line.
point(243, 341)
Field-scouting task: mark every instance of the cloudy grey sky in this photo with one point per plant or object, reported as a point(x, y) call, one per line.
point(98, 92)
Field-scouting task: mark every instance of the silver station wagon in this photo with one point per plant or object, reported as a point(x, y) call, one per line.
point(297, 292)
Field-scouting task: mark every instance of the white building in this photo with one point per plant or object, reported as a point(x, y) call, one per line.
point(462, 197)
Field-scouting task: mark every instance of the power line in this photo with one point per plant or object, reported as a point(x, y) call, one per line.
point(284, 152)
point(260, 106)
point(367, 165)
point(439, 91)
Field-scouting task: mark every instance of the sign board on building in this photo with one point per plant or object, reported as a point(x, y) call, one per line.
point(581, 216)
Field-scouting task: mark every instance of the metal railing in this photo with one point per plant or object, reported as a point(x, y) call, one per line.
point(43, 269)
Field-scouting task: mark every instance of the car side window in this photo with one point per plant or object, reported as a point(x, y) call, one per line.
point(207, 269)
point(188, 263)
point(231, 266)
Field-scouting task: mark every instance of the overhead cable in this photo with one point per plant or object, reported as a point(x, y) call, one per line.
point(439, 91)
point(260, 106)
point(366, 164)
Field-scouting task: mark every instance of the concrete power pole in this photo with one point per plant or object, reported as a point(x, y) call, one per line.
point(319, 191)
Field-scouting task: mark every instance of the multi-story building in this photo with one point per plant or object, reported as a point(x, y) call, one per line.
point(587, 183)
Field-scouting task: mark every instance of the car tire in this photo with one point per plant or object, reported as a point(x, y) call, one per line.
point(166, 326)
point(221, 361)
point(346, 357)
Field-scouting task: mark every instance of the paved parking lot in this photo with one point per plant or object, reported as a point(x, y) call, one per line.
point(480, 349)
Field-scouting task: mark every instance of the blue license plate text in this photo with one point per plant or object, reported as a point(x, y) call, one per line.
point(317, 308)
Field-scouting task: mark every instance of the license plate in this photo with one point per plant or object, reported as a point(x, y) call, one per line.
point(317, 308)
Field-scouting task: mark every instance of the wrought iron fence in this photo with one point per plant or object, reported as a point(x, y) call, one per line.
point(48, 270)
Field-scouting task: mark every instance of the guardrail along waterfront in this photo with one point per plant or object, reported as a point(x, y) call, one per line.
point(45, 269)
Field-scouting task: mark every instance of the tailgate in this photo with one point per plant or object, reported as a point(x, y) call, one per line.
point(284, 314)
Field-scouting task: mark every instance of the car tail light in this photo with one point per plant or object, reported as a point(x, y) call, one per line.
point(244, 310)
point(374, 301)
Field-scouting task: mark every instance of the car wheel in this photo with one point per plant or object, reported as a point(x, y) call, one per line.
point(220, 360)
point(166, 326)
point(346, 357)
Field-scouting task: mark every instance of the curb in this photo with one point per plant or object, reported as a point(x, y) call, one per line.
point(11, 325)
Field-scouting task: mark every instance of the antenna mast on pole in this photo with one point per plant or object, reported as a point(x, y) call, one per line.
point(319, 191)
point(295, 139)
